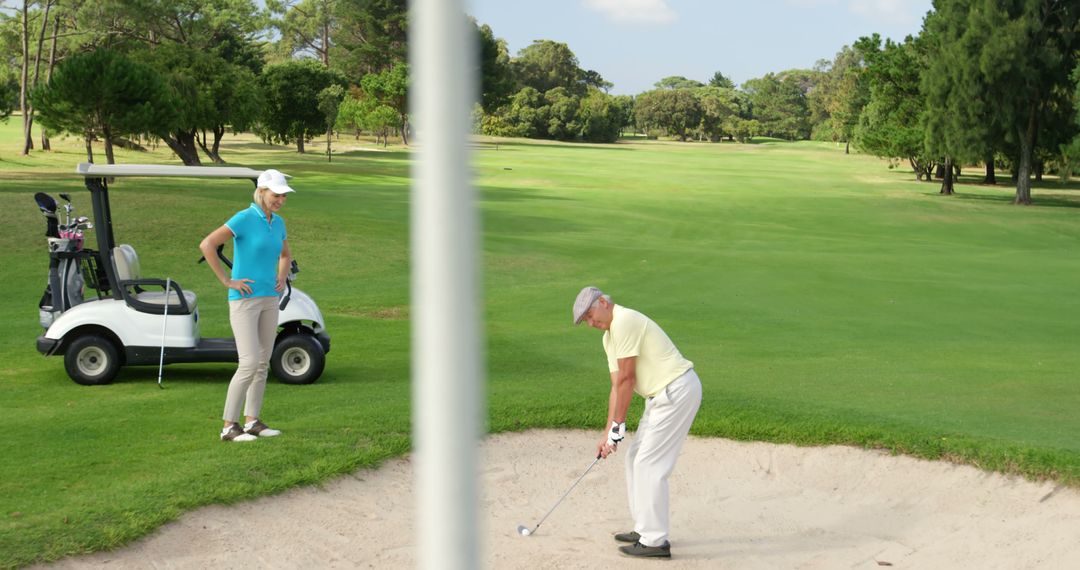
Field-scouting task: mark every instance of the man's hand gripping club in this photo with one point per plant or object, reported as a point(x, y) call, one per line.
point(615, 434)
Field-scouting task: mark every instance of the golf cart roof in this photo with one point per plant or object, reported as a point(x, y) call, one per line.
point(89, 170)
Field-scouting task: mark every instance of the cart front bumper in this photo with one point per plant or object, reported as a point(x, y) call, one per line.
point(47, 346)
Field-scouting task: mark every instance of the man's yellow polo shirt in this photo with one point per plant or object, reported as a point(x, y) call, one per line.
point(658, 361)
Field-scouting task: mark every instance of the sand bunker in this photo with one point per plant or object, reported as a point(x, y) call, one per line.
point(734, 505)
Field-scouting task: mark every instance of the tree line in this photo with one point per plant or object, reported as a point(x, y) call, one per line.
point(993, 84)
point(988, 83)
point(185, 72)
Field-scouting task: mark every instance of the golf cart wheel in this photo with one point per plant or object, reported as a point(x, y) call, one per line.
point(92, 360)
point(298, 359)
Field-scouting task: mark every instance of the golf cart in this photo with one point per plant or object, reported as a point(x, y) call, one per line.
point(128, 319)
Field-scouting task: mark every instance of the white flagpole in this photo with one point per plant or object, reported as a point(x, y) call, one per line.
point(447, 367)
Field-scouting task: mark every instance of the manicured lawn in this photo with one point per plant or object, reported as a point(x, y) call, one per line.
point(823, 298)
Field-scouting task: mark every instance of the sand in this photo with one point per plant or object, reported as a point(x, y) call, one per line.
point(734, 505)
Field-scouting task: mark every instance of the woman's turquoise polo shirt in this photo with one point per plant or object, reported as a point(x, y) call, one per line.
point(256, 249)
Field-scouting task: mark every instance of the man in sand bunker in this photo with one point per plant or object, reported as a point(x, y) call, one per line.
point(641, 358)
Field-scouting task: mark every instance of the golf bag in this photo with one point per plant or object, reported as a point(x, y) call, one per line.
point(65, 286)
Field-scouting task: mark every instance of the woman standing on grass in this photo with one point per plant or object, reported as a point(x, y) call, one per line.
point(260, 268)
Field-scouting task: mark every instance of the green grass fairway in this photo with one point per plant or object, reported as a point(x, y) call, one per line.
point(822, 297)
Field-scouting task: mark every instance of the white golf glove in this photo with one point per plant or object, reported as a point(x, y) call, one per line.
point(617, 432)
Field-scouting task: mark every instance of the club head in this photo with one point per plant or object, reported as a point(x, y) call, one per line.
point(65, 197)
point(523, 530)
point(45, 203)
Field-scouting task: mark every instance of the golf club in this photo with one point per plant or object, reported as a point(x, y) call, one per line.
point(164, 321)
point(524, 531)
point(67, 210)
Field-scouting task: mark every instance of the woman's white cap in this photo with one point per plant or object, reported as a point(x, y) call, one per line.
point(274, 181)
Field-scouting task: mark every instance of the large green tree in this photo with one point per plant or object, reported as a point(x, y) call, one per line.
point(602, 117)
point(677, 82)
point(1012, 57)
point(330, 100)
point(104, 94)
point(891, 123)
point(676, 111)
point(291, 110)
point(545, 65)
point(593, 80)
point(212, 95)
point(308, 27)
point(372, 37)
point(720, 80)
point(779, 104)
point(523, 116)
point(844, 90)
point(718, 106)
point(9, 93)
point(390, 88)
point(560, 115)
point(188, 42)
point(364, 113)
point(496, 79)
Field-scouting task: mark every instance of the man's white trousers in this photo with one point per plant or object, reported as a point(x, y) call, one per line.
point(653, 451)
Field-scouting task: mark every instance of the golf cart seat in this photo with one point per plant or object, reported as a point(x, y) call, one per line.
point(126, 262)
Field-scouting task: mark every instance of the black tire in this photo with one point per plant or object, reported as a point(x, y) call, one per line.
point(92, 360)
point(298, 358)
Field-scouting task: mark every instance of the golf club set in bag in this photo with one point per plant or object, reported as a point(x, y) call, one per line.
point(71, 267)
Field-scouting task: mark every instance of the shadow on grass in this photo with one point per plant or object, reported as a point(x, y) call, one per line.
point(1036, 199)
point(489, 193)
point(496, 146)
point(504, 222)
point(221, 373)
point(373, 154)
point(218, 373)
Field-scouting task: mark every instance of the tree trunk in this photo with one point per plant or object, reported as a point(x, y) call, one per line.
point(219, 133)
point(847, 147)
point(329, 133)
point(947, 180)
point(405, 130)
point(1023, 175)
point(28, 142)
point(300, 144)
point(326, 45)
point(45, 145)
point(183, 144)
point(991, 178)
point(915, 166)
point(106, 133)
point(27, 109)
point(89, 149)
point(209, 153)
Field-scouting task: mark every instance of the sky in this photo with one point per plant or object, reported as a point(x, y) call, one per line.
point(635, 43)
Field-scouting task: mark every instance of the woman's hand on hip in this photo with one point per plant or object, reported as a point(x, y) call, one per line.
point(240, 285)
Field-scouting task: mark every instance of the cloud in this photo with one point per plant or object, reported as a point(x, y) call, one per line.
point(809, 3)
point(878, 12)
point(895, 11)
point(634, 11)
